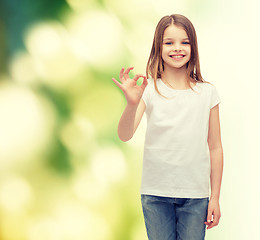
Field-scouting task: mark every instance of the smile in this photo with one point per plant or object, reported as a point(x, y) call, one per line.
point(177, 56)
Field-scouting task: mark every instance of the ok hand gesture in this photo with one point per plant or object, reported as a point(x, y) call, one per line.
point(133, 92)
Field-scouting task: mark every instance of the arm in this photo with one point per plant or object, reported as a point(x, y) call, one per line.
point(130, 120)
point(135, 107)
point(216, 157)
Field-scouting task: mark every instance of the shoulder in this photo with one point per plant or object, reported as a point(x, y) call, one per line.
point(207, 86)
point(150, 84)
point(207, 89)
point(150, 81)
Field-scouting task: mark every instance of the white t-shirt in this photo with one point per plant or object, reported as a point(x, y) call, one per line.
point(176, 160)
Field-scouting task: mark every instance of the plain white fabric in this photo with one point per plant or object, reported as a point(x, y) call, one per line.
point(176, 159)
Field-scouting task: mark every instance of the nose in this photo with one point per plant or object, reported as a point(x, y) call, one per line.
point(177, 47)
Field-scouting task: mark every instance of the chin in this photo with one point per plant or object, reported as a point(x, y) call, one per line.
point(180, 66)
point(176, 65)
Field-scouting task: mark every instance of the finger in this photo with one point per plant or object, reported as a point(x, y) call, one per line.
point(216, 218)
point(127, 72)
point(211, 225)
point(209, 218)
point(137, 76)
point(121, 75)
point(208, 223)
point(117, 83)
point(214, 222)
point(145, 82)
point(129, 69)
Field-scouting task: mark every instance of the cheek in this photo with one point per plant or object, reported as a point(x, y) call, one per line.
point(188, 50)
point(164, 53)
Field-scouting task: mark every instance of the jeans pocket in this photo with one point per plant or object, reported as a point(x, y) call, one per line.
point(145, 197)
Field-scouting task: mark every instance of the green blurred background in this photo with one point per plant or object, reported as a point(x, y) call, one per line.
point(64, 173)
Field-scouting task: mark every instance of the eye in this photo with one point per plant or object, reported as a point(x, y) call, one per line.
point(168, 43)
point(186, 43)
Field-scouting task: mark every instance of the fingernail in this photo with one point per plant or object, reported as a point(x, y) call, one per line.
point(208, 221)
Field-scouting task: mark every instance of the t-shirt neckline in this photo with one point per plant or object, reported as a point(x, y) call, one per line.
point(177, 90)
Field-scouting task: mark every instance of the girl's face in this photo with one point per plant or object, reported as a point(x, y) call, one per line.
point(176, 49)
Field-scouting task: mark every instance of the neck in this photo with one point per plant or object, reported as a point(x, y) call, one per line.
point(175, 76)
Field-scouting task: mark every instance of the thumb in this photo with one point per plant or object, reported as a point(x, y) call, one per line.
point(209, 217)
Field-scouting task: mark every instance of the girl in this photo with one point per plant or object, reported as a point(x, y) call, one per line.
point(182, 149)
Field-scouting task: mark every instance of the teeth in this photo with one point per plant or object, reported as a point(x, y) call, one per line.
point(177, 56)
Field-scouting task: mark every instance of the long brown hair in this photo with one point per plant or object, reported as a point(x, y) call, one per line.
point(155, 65)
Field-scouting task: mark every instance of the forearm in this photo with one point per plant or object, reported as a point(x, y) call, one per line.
point(216, 156)
point(126, 123)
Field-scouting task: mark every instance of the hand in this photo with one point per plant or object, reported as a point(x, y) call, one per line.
point(133, 92)
point(213, 210)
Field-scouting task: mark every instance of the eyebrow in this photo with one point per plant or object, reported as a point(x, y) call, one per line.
point(172, 38)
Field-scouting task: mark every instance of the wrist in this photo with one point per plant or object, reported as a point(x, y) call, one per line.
point(214, 197)
point(132, 105)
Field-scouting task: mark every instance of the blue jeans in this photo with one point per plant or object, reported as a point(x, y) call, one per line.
point(168, 218)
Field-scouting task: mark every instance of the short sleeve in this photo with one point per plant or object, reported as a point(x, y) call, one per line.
point(147, 92)
point(215, 99)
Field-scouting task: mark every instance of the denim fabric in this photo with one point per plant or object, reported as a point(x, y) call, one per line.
point(168, 218)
